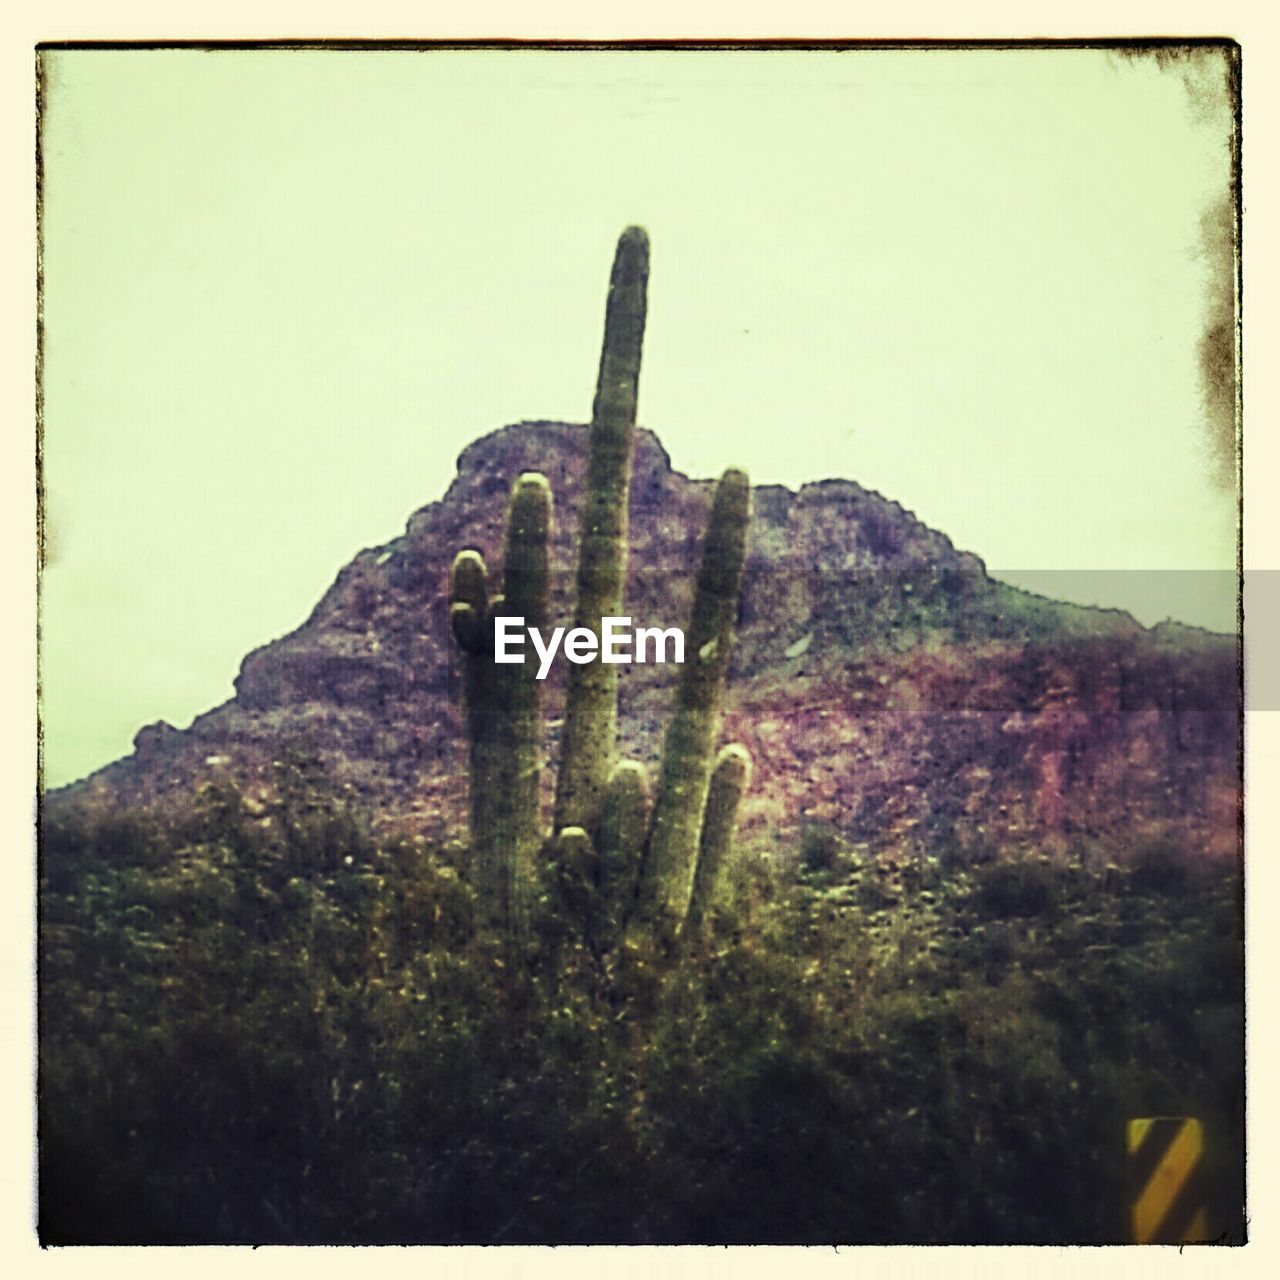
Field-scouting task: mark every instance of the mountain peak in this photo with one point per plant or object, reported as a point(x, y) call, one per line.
point(868, 647)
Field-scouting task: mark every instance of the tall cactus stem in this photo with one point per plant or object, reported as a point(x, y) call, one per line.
point(591, 700)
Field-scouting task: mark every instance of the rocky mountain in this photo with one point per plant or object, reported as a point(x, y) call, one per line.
point(884, 683)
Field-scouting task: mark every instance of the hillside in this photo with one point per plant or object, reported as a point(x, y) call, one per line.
point(884, 683)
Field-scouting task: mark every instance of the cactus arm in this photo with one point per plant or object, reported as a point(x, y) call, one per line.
point(688, 754)
point(729, 781)
point(469, 586)
point(578, 871)
point(470, 620)
point(525, 578)
point(623, 827)
point(525, 573)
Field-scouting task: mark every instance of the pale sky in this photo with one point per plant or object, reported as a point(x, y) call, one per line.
point(283, 290)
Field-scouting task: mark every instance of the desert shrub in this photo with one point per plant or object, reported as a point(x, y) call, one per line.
point(238, 1046)
point(1159, 869)
point(820, 846)
point(1016, 888)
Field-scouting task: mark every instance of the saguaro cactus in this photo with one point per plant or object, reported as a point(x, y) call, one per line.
point(612, 856)
point(591, 700)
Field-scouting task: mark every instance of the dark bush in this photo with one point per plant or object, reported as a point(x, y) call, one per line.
point(243, 1045)
point(1016, 888)
point(1161, 870)
point(819, 846)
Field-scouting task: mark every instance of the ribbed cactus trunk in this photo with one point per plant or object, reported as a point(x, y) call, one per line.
point(472, 626)
point(504, 708)
point(589, 740)
point(689, 751)
point(525, 588)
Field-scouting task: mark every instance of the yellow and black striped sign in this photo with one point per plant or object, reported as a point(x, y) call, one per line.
point(1166, 1180)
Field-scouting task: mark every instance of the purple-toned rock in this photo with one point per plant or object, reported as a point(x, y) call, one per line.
point(881, 680)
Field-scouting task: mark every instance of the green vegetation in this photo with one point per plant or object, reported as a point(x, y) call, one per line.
point(272, 1027)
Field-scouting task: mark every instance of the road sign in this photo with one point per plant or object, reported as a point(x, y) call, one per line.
point(1166, 1180)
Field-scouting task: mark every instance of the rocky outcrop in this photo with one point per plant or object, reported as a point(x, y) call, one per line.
point(882, 681)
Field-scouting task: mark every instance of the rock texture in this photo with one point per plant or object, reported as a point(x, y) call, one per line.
point(882, 681)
